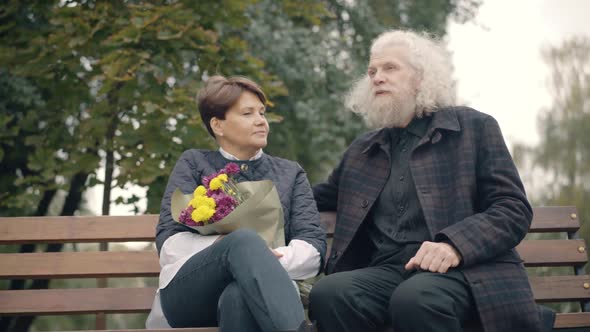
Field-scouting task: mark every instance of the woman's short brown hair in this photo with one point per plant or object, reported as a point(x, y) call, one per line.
point(220, 93)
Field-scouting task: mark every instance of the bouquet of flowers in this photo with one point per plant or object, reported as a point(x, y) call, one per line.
point(212, 201)
point(220, 206)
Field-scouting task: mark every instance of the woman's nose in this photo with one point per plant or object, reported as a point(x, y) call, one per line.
point(259, 120)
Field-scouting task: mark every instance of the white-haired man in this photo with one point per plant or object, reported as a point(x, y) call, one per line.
point(429, 207)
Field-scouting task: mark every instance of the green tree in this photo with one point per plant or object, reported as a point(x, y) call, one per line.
point(563, 153)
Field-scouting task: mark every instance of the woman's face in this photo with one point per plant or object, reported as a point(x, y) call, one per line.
point(245, 129)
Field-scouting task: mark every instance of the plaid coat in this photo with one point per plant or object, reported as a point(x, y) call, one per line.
point(470, 193)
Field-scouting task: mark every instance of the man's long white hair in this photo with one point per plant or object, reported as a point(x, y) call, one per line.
point(436, 87)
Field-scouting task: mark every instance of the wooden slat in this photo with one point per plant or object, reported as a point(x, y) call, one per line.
point(76, 301)
point(575, 319)
point(79, 265)
point(187, 329)
point(555, 219)
point(141, 228)
point(560, 288)
point(552, 252)
point(545, 219)
point(77, 229)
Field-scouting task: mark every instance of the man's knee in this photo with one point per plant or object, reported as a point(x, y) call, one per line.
point(412, 298)
point(407, 298)
point(417, 298)
point(330, 292)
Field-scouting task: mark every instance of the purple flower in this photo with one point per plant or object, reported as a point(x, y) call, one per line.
point(185, 216)
point(231, 169)
point(206, 179)
point(225, 205)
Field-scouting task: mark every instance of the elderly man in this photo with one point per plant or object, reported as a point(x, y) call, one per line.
point(429, 207)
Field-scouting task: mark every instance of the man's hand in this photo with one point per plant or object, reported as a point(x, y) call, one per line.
point(435, 257)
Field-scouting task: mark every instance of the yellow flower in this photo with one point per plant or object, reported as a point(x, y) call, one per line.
point(199, 201)
point(202, 213)
point(222, 177)
point(200, 191)
point(194, 203)
point(215, 184)
point(210, 202)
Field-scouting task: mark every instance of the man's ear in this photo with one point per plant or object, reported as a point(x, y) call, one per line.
point(216, 126)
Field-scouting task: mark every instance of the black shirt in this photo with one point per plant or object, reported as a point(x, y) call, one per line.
point(396, 219)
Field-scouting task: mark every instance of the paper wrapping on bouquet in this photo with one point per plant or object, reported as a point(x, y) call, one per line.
point(261, 211)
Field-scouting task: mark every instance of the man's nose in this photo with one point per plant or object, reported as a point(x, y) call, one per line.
point(377, 78)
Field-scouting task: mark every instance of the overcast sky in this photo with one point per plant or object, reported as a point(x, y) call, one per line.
point(498, 63)
point(498, 66)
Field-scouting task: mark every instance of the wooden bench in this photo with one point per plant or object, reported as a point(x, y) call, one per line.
point(567, 252)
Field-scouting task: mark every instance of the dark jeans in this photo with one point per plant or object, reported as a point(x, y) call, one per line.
point(386, 294)
point(238, 284)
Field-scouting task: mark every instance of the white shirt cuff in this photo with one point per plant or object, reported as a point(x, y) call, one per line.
point(300, 259)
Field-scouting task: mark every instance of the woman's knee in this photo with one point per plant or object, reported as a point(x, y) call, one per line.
point(231, 298)
point(243, 237)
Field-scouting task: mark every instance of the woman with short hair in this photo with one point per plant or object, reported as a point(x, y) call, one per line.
point(234, 280)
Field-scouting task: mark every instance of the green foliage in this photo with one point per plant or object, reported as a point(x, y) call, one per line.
point(114, 76)
point(563, 154)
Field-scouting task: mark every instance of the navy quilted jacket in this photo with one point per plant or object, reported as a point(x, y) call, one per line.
point(302, 220)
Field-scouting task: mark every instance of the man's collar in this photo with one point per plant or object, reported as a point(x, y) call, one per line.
point(443, 118)
point(419, 126)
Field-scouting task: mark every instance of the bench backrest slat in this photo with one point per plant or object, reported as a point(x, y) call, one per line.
point(545, 219)
point(79, 265)
point(76, 301)
point(77, 229)
point(560, 288)
point(553, 252)
point(555, 219)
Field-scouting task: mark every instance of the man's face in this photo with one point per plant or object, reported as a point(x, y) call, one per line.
point(394, 84)
point(391, 73)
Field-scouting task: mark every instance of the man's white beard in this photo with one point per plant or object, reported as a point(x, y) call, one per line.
point(391, 111)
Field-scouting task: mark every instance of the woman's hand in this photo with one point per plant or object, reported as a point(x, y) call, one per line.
point(276, 253)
